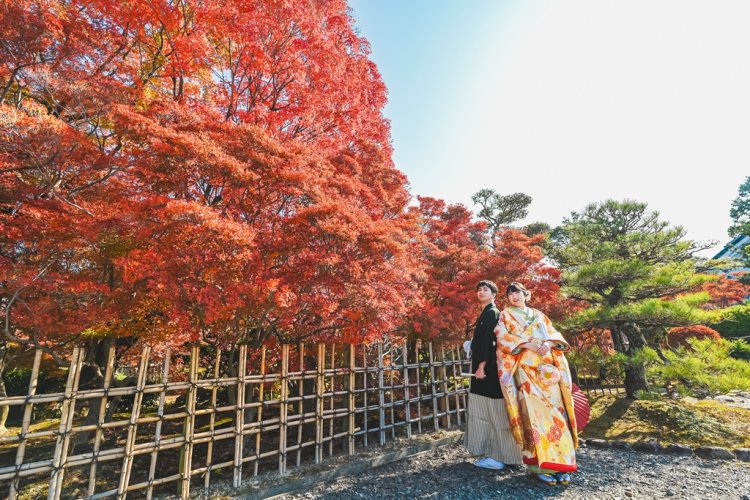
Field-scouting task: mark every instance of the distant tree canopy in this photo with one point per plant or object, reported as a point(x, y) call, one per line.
point(740, 211)
point(500, 211)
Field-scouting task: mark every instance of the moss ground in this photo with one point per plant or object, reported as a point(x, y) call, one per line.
point(704, 423)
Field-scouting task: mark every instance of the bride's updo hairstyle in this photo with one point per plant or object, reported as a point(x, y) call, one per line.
point(518, 287)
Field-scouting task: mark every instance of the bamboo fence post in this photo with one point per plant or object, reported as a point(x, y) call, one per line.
point(351, 398)
point(160, 414)
point(27, 409)
point(284, 407)
point(319, 383)
point(445, 400)
point(433, 391)
point(102, 415)
point(127, 461)
point(333, 399)
point(454, 350)
point(407, 399)
point(419, 389)
point(239, 416)
point(364, 394)
point(212, 421)
point(301, 403)
point(392, 389)
point(66, 422)
point(464, 391)
point(261, 396)
point(381, 395)
point(188, 429)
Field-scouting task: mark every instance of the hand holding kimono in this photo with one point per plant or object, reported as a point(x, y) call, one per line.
point(537, 387)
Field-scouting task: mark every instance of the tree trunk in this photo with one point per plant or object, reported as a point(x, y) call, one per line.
point(635, 371)
point(93, 377)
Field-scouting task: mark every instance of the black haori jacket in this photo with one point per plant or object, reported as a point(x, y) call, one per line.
point(483, 349)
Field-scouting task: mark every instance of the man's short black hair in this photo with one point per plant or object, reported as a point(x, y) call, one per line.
point(489, 284)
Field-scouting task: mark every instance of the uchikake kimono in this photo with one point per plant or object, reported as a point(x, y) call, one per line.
point(537, 390)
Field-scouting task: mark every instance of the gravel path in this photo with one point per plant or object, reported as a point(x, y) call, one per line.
point(447, 473)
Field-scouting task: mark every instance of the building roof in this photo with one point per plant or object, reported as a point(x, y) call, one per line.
point(734, 249)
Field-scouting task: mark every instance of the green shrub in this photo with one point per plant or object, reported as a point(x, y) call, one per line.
point(736, 322)
point(740, 349)
point(706, 367)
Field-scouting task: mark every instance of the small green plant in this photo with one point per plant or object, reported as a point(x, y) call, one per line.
point(645, 395)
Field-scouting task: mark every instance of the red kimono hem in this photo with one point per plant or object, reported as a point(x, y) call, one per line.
point(551, 465)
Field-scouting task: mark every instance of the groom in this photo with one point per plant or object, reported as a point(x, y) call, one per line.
point(488, 432)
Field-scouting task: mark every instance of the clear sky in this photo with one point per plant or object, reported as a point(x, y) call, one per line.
point(570, 101)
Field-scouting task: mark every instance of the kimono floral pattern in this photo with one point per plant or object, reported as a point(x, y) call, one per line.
point(537, 390)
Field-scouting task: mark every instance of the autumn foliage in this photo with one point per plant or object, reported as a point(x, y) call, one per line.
point(679, 336)
point(176, 171)
point(725, 291)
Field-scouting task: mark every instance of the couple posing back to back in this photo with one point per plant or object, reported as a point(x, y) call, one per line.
point(520, 400)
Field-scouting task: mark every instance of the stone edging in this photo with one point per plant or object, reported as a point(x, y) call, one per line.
point(706, 452)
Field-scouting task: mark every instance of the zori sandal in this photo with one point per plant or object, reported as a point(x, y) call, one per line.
point(563, 478)
point(547, 479)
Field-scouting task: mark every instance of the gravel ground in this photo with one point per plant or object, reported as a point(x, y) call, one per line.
point(447, 473)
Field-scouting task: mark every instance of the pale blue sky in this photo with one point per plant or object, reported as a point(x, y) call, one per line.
point(570, 101)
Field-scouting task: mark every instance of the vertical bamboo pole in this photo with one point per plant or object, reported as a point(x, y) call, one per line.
point(301, 403)
point(135, 413)
point(284, 407)
point(454, 351)
point(364, 393)
point(102, 415)
point(464, 392)
point(319, 389)
point(212, 421)
point(433, 391)
point(66, 422)
point(445, 400)
point(407, 398)
point(160, 414)
point(28, 407)
point(419, 389)
point(239, 416)
point(392, 389)
point(333, 399)
point(261, 396)
point(381, 395)
point(351, 399)
point(186, 458)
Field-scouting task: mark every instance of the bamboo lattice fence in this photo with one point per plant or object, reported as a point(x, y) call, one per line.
point(178, 422)
point(184, 421)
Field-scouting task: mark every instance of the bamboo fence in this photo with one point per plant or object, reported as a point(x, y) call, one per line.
point(184, 421)
point(221, 415)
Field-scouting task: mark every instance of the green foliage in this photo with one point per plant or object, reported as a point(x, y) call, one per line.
point(624, 261)
point(740, 211)
point(646, 395)
point(739, 349)
point(501, 210)
point(707, 366)
point(537, 228)
point(734, 322)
